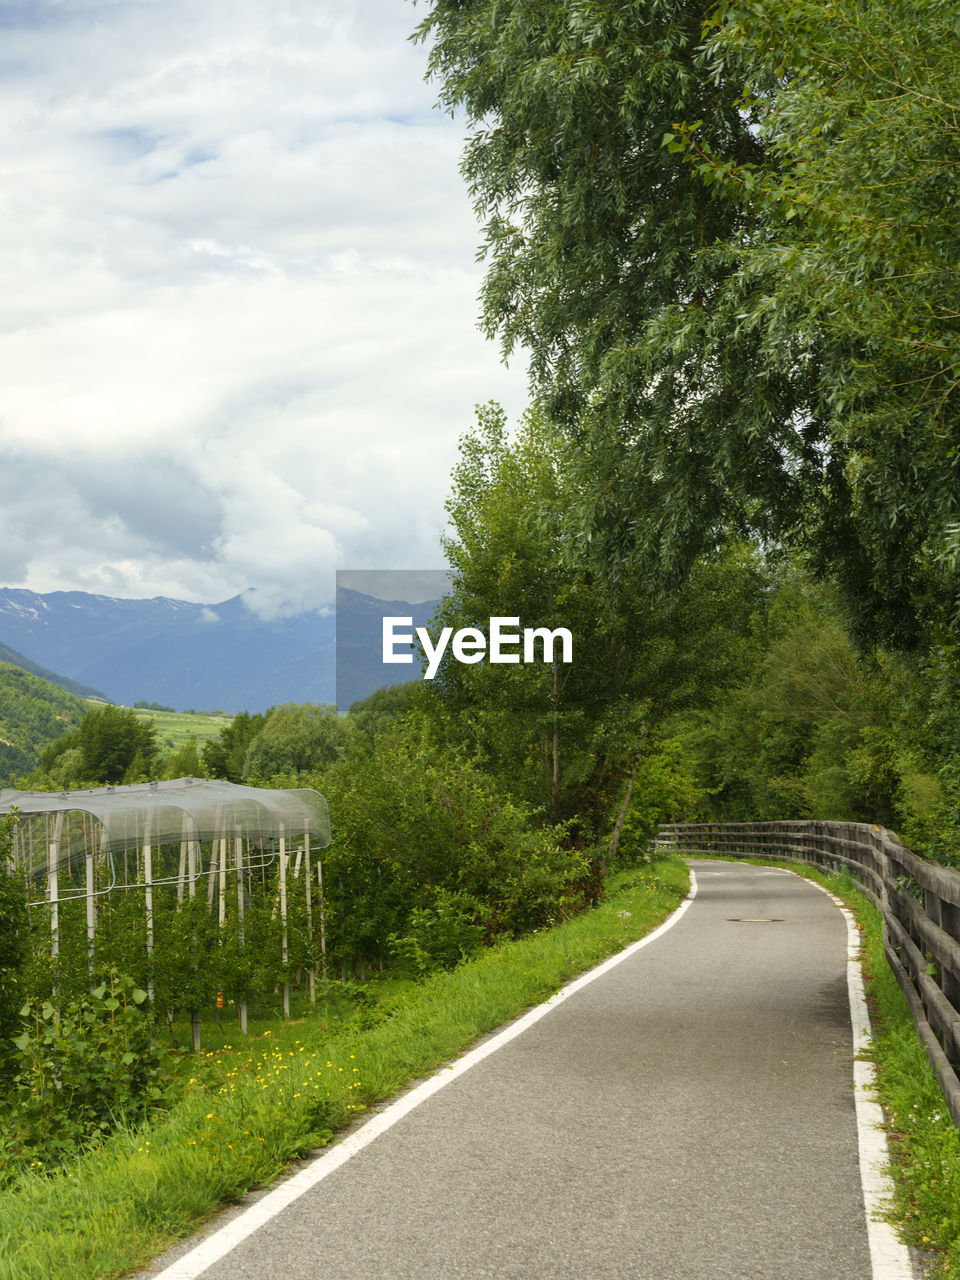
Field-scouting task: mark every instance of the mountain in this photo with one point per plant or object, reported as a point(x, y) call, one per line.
point(32, 713)
point(18, 660)
point(360, 666)
point(184, 655)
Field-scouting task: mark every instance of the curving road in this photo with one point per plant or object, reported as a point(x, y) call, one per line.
point(689, 1115)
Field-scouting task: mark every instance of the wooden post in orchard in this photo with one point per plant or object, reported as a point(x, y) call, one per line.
point(284, 937)
point(238, 848)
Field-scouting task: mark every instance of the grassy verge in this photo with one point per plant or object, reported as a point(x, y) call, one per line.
point(247, 1110)
point(926, 1168)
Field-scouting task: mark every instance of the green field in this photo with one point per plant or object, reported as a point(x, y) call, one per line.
point(175, 728)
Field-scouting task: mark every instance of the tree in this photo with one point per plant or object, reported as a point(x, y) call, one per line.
point(376, 713)
point(109, 745)
point(428, 848)
point(857, 107)
point(184, 762)
point(224, 756)
point(294, 738)
point(594, 232)
point(813, 731)
point(740, 303)
point(112, 741)
point(568, 738)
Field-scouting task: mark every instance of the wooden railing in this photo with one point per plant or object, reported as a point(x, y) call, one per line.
point(919, 902)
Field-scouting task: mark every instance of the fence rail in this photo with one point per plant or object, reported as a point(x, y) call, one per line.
point(919, 902)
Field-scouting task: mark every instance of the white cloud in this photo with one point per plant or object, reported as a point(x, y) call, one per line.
point(237, 271)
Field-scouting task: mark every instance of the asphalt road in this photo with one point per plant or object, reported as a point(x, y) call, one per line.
point(687, 1116)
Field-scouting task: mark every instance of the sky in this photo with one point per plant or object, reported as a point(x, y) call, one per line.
point(238, 298)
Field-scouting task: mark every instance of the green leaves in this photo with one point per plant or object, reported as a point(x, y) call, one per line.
point(727, 237)
point(78, 1067)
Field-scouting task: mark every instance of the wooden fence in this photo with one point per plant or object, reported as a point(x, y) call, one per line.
point(919, 902)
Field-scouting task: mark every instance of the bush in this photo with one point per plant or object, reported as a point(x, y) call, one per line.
point(78, 1069)
point(429, 853)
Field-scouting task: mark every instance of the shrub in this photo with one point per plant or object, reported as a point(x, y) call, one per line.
point(78, 1069)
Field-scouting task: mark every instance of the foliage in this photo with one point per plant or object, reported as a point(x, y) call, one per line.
point(437, 937)
point(13, 945)
point(858, 116)
point(663, 791)
point(294, 739)
point(225, 755)
point(564, 737)
point(80, 1066)
point(374, 714)
point(33, 712)
point(183, 761)
point(816, 730)
point(110, 745)
point(734, 264)
point(420, 828)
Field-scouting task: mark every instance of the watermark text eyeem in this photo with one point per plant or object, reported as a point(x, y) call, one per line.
point(470, 644)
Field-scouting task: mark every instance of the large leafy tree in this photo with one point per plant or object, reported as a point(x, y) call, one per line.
point(726, 236)
point(111, 744)
point(225, 755)
point(293, 739)
point(569, 737)
point(594, 234)
point(858, 107)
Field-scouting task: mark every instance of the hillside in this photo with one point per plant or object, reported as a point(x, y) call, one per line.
point(63, 682)
point(32, 713)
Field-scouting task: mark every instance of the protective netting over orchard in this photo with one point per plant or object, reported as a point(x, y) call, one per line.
point(203, 890)
point(57, 831)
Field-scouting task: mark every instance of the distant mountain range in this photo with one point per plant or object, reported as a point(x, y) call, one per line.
point(204, 657)
point(207, 657)
point(360, 666)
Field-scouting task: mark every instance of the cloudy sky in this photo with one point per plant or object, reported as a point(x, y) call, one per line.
point(238, 298)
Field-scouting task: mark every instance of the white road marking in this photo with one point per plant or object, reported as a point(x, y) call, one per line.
point(889, 1256)
point(216, 1246)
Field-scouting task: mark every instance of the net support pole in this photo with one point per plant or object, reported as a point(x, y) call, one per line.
point(241, 933)
point(182, 869)
point(148, 903)
point(222, 883)
point(212, 873)
point(53, 884)
point(308, 887)
point(91, 908)
point(284, 936)
point(323, 930)
point(192, 895)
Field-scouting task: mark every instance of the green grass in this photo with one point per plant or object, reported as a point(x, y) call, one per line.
point(335, 1004)
point(247, 1109)
point(926, 1142)
point(176, 728)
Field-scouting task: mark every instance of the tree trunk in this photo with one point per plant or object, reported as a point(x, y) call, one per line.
point(621, 819)
point(555, 701)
